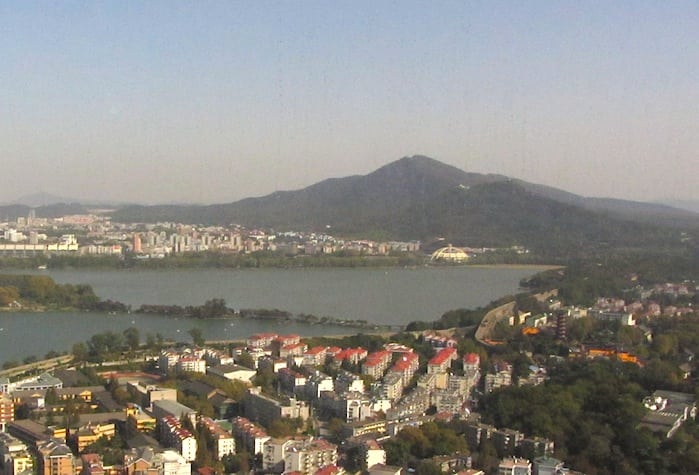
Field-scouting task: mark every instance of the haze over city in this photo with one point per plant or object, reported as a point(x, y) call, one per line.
point(217, 101)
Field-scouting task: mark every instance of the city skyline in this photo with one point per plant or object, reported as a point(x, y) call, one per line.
point(220, 101)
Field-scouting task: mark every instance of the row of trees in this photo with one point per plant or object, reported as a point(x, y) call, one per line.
point(42, 290)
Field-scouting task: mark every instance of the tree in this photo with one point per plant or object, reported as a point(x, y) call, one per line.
point(51, 397)
point(245, 359)
point(428, 467)
point(132, 338)
point(80, 352)
point(237, 463)
point(197, 336)
point(336, 428)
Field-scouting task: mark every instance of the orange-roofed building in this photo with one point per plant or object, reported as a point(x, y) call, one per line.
point(441, 362)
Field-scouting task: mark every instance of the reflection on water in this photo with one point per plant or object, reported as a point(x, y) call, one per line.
point(393, 297)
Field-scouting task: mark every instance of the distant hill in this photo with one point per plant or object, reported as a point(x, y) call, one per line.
point(689, 205)
point(42, 199)
point(421, 198)
point(14, 211)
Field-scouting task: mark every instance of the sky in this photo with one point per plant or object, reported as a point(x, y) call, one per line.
point(210, 102)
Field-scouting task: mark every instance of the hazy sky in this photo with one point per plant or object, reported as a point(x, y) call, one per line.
point(215, 101)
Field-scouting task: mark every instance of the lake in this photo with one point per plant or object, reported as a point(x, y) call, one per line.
point(390, 296)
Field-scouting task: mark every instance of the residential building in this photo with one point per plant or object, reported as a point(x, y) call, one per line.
point(273, 454)
point(55, 458)
point(515, 466)
point(252, 435)
point(170, 462)
point(502, 377)
point(190, 364)
point(373, 454)
point(441, 362)
point(172, 434)
point(91, 464)
point(233, 372)
point(318, 383)
point(224, 442)
point(314, 356)
point(15, 458)
point(167, 408)
point(309, 455)
point(406, 366)
point(264, 409)
point(90, 433)
point(7, 410)
point(376, 363)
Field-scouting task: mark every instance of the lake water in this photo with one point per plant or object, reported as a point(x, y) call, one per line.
point(392, 296)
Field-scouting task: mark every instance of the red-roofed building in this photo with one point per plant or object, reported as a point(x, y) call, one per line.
point(397, 348)
point(295, 349)
point(351, 355)
point(441, 362)
point(406, 367)
point(288, 339)
point(439, 341)
point(314, 356)
point(261, 340)
point(329, 470)
point(285, 340)
point(332, 352)
point(472, 362)
point(376, 363)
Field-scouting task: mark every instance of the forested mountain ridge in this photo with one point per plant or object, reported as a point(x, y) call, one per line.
point(421, 198)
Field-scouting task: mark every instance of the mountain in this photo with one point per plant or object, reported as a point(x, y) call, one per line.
point(421, 198)
point(689, 205)
point(14, 211)
point(35, 200)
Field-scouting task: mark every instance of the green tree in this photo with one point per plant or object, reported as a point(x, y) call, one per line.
point(197, 336)
point(132, 338)
point(428, 467)
point(245, 359)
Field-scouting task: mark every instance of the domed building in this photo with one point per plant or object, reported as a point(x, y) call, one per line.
point(450, 254)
